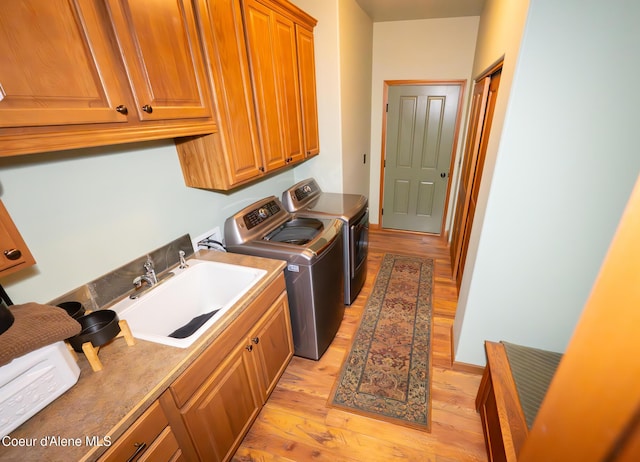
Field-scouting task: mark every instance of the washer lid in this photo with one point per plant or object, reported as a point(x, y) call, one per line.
point(298, 231)
point(346, 206)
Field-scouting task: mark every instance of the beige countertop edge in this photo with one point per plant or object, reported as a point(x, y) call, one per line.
point(105, 403)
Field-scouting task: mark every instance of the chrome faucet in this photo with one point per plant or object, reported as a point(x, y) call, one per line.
point(183, 262)
point(150, 270)
point(149, 276)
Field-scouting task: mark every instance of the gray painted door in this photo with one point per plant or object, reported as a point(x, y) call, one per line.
point(421, 126)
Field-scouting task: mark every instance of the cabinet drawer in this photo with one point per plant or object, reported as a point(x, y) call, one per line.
point(164, 449)
point(144, 431)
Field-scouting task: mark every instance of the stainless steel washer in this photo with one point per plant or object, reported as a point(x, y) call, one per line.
point(313, 250)
point(306, 199)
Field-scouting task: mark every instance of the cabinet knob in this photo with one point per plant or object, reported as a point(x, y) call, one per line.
point(13, 254)
point(249, 347)
point(148, 109)
point(255, 340)
point(261, 169)
point(122, 109)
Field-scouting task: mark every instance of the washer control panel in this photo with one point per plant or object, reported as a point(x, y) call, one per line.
point(261, 214)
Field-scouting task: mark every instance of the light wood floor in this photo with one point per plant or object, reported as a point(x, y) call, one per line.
point(297, 425)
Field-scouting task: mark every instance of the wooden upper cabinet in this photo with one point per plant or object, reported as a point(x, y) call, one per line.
point(14, 253)
point(261, 67)
point(56, 65)
point(80, 73)
point(271, 43)
point(307, 75)
point(159, 45)
point(233, 155)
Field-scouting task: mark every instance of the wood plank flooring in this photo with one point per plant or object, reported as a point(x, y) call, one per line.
point(297, 425)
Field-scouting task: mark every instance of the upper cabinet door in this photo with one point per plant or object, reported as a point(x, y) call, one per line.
point(288, 87)
point(307, 72)
point(14, 253)
point(271, 46)
point(160, 48)
point(56, 65)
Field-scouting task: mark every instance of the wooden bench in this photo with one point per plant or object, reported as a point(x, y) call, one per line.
point(508, 409)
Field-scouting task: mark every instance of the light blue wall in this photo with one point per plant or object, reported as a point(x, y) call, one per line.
point(86, 212)
point(343, 81)
point(425, 49)
point(327, 167)
point(566, 164)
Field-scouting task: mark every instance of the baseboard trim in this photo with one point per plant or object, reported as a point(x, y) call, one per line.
point(452, 346)
point(378, 227)
point(466, 367)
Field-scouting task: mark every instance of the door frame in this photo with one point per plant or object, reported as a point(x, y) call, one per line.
point(385, 100)
point(458, 248)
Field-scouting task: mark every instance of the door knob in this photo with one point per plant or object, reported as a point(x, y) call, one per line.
point(443, 175)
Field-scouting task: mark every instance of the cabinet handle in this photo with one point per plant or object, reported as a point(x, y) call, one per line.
point(13, 254)
point(261, 169)
point(122, 109)
point(139, 448)
point(249, 348)
point(148, 109)
point(255, 340)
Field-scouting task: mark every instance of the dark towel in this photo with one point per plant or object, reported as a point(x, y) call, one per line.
point(192, 326)
point(35, 326)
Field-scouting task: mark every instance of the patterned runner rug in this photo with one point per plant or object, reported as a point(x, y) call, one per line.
point(386, 374)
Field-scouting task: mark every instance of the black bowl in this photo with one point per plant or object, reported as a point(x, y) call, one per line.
point(98, 327)
point(74, 309)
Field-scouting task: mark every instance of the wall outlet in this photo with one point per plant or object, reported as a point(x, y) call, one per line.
point(214, 234)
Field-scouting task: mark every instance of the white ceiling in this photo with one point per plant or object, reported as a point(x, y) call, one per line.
point(400, 10)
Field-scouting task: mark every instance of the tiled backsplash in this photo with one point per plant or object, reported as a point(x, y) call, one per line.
point(113, 286)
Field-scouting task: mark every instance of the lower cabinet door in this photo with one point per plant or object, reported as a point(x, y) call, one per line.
point(273, 345)
point(221, 411)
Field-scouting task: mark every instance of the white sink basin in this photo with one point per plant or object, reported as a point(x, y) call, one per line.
point(201, 288)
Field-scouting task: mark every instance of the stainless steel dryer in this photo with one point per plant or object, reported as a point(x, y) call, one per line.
point(314, 277)
point(306, 199)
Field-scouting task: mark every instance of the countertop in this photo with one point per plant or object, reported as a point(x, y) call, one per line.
point(107, 402)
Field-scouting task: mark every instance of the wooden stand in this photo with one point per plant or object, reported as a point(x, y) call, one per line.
point(91, 352)
point(503, 422)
